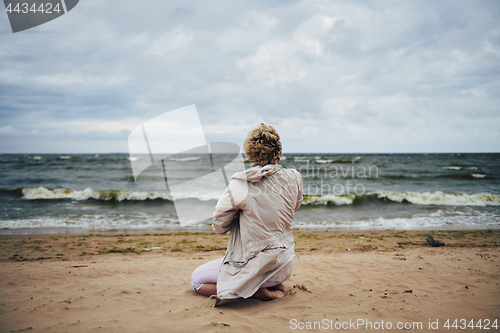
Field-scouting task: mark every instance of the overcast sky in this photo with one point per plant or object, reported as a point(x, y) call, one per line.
point(331, 76)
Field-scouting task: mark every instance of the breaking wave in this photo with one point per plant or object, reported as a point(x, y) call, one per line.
point(416, 198)
point(42, 193)
point(426, 198)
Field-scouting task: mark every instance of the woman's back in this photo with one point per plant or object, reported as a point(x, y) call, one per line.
point(266, 198)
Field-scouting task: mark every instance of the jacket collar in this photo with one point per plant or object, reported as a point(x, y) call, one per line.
point(256, 173)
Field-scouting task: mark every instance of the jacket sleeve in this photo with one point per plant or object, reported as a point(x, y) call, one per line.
point(226, 212)
point(299, 193)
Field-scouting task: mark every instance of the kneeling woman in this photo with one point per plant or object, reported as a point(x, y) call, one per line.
point(257, 209)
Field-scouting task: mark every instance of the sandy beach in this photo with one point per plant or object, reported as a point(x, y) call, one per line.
point(342, 281)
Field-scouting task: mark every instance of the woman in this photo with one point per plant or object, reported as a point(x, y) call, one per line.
point(257, 209)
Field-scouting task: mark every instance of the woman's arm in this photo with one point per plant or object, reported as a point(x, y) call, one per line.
point(300, 187)
point(226, 211)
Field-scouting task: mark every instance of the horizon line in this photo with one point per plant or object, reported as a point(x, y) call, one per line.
point(365, 153)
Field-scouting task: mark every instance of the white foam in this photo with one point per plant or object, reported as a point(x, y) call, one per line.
point(185, 159)
point(478, 175)
point(199, 196)
point(322, 161)
point(440, 198)
point(42, 193)
point(352, 160)
point(437, 220)
point(452, 167)
point(94, 222)
point(329, 198)
point(64, 157)
point(425, 198)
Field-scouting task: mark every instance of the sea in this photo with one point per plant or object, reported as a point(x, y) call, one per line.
point(98, 193)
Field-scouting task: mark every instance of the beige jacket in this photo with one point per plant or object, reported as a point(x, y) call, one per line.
point(257, 209)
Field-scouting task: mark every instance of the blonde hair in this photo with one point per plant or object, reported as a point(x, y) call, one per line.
point(262, 145)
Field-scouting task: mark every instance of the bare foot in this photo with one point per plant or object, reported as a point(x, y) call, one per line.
point(280, 287)
point(265, 294)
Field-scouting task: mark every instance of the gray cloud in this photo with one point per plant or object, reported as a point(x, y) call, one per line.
point(353, 76)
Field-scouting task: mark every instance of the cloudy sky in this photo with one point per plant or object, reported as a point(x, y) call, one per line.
point(331, 76)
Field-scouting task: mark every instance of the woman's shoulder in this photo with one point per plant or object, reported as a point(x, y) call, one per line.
point(292, 173)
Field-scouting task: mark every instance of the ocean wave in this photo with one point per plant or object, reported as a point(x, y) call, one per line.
point(440, 198)
point(323, 160)
point(98, 223)
point(42, 193)
point(348, 160)
point(416, 198)
point(95, 222)
point(441, 219)
point(337, 200)
point(460, 167)
point(462, 176)
point(452, 167)
point(416, 222)
point(184, 159)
